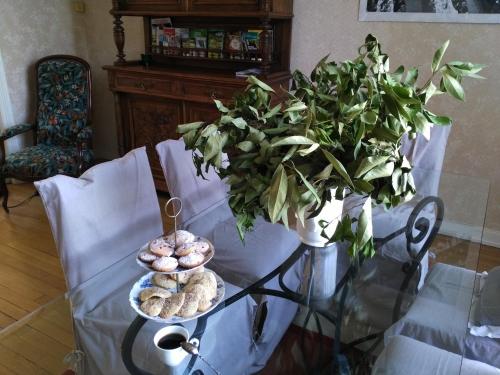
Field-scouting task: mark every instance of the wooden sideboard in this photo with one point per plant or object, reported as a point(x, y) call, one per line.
point(176, 89)
point(150, 103)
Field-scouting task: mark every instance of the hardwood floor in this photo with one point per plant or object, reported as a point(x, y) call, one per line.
point(35, 323)
point(38, 344)
point(30, 271)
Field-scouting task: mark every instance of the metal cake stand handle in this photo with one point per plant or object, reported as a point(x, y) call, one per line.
point(174, 212)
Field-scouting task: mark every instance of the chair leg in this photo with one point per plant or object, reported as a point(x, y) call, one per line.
point(5, 193)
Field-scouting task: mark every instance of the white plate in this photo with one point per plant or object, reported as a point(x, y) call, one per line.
point(146, 282)
point(208, 256)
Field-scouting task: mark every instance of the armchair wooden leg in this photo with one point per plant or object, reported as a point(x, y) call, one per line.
point(5, 193)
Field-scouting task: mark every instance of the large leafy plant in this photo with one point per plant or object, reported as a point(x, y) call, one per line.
point(338, 130)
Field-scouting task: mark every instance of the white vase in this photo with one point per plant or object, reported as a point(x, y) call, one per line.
point(310, 231)
point(321, 267)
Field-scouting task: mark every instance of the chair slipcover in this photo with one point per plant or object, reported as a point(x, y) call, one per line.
point(404, 355)
point(265, 248)
point(440, 314)
point(370, 305)
point(198, 195)
point(99, 221)
point(91, 216)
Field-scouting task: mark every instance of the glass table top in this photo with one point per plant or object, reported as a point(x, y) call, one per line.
point(290, 308)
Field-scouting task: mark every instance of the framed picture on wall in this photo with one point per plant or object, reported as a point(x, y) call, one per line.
point(464, 11)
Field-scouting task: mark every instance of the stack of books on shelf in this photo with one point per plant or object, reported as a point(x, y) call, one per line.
point(205, 43)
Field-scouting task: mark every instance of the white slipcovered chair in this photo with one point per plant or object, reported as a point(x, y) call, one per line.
point(370, 306)
point(440, 314)
point(99, 221)
point(206, 212)
point(403, 355)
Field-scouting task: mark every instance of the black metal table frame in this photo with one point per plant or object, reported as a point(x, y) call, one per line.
point(420, 224)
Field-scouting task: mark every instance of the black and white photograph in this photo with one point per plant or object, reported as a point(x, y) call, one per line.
point(465, 11)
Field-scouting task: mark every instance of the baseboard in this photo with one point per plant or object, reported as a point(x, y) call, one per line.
point(489, 237)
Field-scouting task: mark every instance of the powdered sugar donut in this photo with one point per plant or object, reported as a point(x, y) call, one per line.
point(147, 257)
point(191, 260)
point(189, 247)
point(161, 247)
point(165, 264)
point(183, 236)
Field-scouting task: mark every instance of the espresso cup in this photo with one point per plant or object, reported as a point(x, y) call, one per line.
point(175, 355)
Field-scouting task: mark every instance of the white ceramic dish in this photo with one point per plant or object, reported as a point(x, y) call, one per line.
point(146, 282)
point(208, 256)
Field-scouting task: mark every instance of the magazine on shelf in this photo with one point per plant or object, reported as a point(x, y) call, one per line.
point(249, 72)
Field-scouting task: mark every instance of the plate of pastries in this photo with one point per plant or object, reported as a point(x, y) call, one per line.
point(177, 252)
point(156, 296)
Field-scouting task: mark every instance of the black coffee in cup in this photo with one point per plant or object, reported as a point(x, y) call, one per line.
point(172, 341)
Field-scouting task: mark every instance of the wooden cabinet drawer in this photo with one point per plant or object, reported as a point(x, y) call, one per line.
point(207, 92)
point(144, 85)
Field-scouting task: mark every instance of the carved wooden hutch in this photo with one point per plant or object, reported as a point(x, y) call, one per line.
point(179, 87)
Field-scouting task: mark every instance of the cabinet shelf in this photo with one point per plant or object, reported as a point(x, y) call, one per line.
point(179, 85)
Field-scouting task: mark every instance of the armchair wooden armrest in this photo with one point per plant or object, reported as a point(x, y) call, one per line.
point(10, 133)
point(84, 142)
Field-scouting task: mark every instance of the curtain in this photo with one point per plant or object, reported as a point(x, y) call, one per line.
point(6, 113)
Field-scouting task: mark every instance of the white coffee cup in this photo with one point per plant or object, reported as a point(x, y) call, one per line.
point(173, 357)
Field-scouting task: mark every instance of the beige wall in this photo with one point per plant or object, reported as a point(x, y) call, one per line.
point(320, 27)
point(29, 30)
point(102, 51)
point(332, 26)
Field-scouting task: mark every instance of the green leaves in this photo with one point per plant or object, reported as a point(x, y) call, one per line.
point(337, 165)
point(277, 193)
point(368, 164)
point(453, 87)
point(255, 81)
point(338, 129)
point(438, 56)
point(293, 140)
point(182, 129)
point(369, 117)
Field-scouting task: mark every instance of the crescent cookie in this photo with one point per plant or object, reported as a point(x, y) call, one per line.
point(191, 260)
point(152, 306)
point(190, 305)
point(154, 292)
point(147, 257)
point(203, 293)
point(161, 247)
point(172, 305)
point(164, 281)
point(185, 276)
point(207, 279)
point(165, 264)
point(183, 236)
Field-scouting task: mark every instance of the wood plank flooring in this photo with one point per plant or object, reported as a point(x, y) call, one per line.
point(38, 343)
point(35, 323)
point(30, 271)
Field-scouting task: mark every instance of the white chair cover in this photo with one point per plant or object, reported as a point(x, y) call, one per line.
point(264, 249)
point(440, 314)
point(91, 217)
point(198, 194)
point(427, 157)
point(97, 221)
point(370, 307)
point(403, 355)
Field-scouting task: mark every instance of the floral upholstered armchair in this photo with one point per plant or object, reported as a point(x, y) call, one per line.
point(62, 132)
